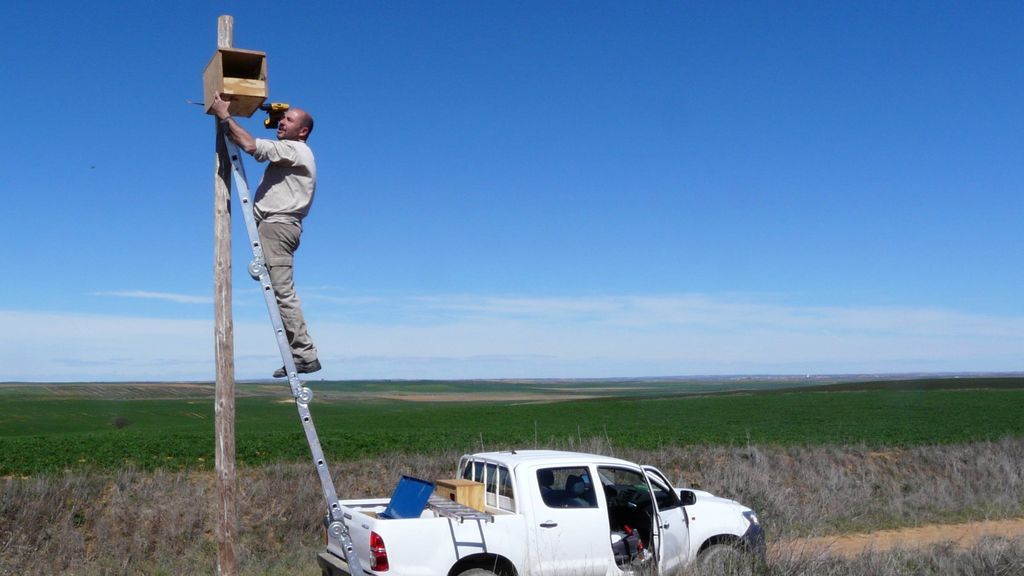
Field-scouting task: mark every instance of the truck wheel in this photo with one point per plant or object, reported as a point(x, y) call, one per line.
point(726, 559)
point(477, 572)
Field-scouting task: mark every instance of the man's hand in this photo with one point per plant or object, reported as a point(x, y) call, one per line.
point(220, 107)
point(235, 131)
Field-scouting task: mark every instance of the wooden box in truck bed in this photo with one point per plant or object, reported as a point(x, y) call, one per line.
point(465, 492)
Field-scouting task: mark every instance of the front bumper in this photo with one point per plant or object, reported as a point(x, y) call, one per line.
point(753, 540)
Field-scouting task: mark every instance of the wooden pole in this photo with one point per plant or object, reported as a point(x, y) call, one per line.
point(224, 338)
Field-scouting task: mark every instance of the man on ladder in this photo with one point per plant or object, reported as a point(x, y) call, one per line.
point(282, 200)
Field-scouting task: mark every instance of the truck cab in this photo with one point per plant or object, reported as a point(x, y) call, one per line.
point(589, 514)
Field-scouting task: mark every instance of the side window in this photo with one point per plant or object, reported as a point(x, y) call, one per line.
point(569, 487)
point(624, 487)
point(664, 495)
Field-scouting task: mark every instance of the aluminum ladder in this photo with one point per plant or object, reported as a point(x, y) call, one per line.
point(337, 532)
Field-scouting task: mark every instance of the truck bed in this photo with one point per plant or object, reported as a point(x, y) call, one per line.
point(444, 533)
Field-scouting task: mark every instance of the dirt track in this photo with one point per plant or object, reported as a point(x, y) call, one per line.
point(963, 535)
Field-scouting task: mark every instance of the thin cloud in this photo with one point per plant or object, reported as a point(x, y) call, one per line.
point(164, 296)
point(466, 336)
point(717, 313)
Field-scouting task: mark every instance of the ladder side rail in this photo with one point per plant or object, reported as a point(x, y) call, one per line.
point(337, 531)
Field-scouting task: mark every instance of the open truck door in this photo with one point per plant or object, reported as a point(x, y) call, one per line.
point(671, 530)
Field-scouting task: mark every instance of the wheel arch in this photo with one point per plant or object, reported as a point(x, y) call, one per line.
point(726, 539)
point(495, 563)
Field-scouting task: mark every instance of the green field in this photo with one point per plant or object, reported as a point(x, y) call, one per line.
point(46, 428)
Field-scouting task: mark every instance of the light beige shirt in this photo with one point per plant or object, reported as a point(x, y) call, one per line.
point(289, 182)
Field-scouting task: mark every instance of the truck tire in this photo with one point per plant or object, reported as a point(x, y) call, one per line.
point(726, 559)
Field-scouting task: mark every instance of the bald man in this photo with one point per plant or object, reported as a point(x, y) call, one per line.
point(282, 200)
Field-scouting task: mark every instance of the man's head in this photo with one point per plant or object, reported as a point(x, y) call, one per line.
point(296, 124)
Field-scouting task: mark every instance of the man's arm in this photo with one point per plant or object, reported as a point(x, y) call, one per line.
point(235, 131)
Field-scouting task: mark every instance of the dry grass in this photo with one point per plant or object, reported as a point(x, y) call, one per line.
point(162, 523)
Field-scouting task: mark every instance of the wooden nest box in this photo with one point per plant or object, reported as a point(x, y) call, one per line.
point(462, 491)
point(240, 76)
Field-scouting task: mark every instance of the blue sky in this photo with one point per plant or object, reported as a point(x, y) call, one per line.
point(530, 189)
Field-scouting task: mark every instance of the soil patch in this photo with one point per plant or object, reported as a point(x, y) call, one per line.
point(848, 545)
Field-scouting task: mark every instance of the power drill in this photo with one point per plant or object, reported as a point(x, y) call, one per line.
point(275, 111)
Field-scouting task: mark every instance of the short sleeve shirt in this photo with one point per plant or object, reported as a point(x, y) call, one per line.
point(289, 182)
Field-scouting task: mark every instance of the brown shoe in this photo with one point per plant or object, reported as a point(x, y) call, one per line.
point(300, 367)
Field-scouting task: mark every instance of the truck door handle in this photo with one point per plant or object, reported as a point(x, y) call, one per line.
point(548, 524)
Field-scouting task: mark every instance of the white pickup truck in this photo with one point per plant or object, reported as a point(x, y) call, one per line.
point(551, 513)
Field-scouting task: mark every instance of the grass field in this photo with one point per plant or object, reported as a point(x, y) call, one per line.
point(821, 458)
point(47, 428)
point(95, 522)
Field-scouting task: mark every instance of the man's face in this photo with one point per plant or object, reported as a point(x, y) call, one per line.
point(290, 127)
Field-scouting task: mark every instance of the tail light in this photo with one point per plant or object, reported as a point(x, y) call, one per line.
point(378, 553)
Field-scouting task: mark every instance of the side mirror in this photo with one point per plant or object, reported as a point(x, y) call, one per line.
point(687, 497)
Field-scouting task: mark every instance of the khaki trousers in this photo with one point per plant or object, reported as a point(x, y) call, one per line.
point(280, 240)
